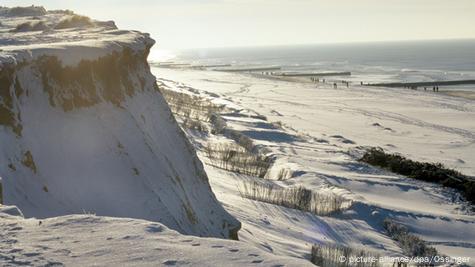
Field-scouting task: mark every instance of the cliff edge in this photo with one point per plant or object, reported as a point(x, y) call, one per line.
point(84, 129)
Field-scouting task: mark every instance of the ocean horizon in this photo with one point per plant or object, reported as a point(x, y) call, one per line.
point(401, 61)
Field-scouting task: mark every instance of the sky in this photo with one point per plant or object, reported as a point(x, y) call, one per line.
point(180, 24)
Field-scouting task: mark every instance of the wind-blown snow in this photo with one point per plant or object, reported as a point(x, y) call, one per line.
point(88, 240)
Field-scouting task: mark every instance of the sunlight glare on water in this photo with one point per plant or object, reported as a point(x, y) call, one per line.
point(161, 55)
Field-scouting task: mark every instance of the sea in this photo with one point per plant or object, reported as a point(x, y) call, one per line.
point(379, 62)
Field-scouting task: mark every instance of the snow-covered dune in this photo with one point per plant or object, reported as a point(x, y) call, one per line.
point(83, 128)
point(87, 240)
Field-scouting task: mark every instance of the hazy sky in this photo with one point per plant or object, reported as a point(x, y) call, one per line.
point(216, 23)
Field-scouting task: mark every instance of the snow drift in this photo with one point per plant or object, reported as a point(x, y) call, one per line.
point(84, 129)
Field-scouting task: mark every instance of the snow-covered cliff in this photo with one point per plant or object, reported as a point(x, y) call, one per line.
point(83, 128)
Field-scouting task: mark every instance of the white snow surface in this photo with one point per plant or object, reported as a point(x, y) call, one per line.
point(70, 45)
point(120, 158)
point(88, 240)
point(323, 129)
point(131, 160)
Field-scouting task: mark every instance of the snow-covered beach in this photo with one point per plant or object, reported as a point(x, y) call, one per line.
point(107, 160)
point(322, 129)
point(422, 125)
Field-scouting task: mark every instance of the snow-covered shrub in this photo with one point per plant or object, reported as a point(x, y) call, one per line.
point(240, 138)
point(299, 198)
point(429, 172)
point(75, 21)
point(189, 106)
point(195, 125)
point(218, 123)
point(235, 158)
point(30, 26)
point(9, 116)
point(26, 11)
point(283, 174)
point(339, 256)
point(110, 24)
point(61, 11)
point(410, 244)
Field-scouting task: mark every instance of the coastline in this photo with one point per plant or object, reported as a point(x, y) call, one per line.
point(460, 93)
point(325, 81)
point(322, 130)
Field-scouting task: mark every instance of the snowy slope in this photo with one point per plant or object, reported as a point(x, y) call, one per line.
point(321, 126)
point(83, 129)
point(87, 240)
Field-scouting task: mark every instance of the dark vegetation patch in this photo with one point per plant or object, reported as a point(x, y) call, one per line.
point(11, 167)
point(86, 84)
point(235, 158)
point(30, 26)
point(26, 11)
point(75, 21)
point(219, 126)
point(298, 198)
point(218, 123)
point(410, 244)
point(429, 172)
point(195, 125)
point(29, 162)
point(242, 139)
point(110, 24)
point(195, 111)
point(285, 174)
point(61, 11)
point(331, 255)
point(189, 106)
point(9, 88)
point(190, 214)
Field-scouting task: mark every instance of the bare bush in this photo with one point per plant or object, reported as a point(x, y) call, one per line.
point(429, 172)
point(284, 174)
point(75, 21)
point(30, 26)
point(190, 106)
point(411, 245)
point(26, 11)
point(195, 125)
point(331, 256)
point(298, 198)
point(242, 139)
point(218, 123)
point(61, 11)
point(193, 107)
point(234, 158)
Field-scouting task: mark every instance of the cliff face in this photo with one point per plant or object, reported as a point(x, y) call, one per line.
point(84, 129)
